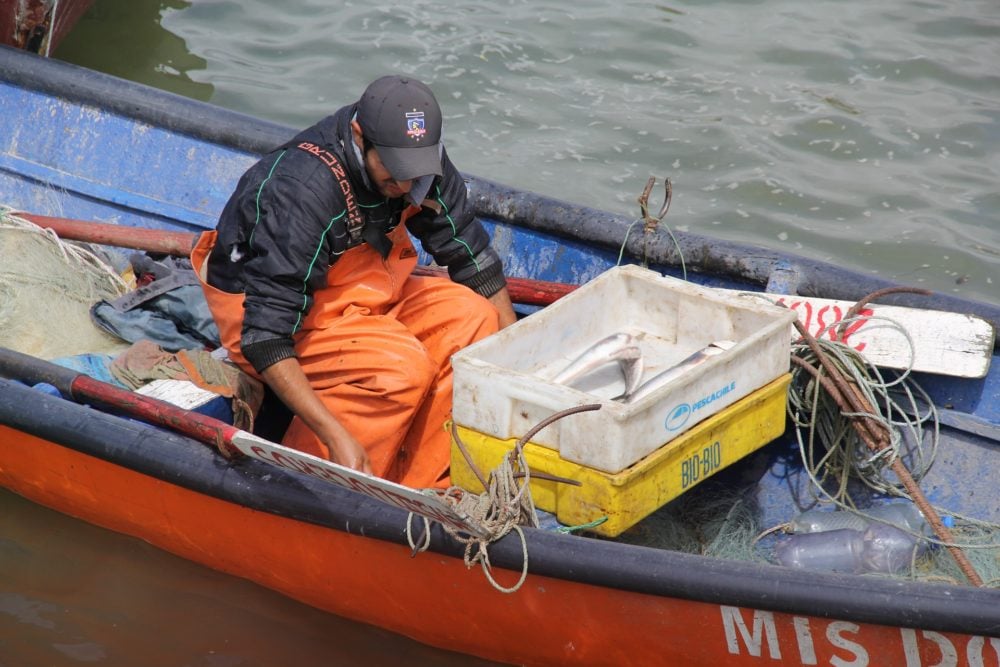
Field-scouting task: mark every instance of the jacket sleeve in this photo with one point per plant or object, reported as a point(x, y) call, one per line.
point(289, 253)
point(451, 234)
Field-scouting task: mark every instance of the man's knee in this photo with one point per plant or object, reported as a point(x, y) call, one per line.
point(405, 376)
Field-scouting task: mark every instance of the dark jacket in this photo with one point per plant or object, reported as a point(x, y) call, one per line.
point(287, 223)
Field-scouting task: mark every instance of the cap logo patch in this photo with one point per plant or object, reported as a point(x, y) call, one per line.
point(415, 124)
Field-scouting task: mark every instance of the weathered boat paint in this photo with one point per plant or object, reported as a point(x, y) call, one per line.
point(39, 26)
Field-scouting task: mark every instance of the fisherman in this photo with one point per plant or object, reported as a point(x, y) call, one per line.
point(308, 276)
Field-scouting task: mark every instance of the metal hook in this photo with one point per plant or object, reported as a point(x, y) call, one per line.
point(650, 221)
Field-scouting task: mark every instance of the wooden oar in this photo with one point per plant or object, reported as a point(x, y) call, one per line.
point(229, 439)
point(524, 291)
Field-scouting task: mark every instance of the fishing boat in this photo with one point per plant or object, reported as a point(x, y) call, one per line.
point(39, 26)
point(91, 147)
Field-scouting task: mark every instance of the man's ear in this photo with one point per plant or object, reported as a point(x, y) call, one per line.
point(356, 132)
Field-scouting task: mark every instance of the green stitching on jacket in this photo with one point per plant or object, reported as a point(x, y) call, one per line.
point(335, 219)
point(257, 198)
point(454, 232)
point(312, 265)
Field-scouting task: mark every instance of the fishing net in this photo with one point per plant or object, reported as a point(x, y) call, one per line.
point(721, 518)
point(725, 522)
point(713, 519)
point(47, 287)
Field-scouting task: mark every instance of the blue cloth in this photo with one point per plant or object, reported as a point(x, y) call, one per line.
point(176, 320)
point(97, 366)
point(171, 310)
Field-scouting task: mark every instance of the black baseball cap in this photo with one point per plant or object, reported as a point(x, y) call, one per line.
point(400, 116)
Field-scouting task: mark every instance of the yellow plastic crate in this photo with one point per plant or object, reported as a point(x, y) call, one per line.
point(629, 496)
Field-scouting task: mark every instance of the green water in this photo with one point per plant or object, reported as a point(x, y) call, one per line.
point(73, 594)
point(864, 133)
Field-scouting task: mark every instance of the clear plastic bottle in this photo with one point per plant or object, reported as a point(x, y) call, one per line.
point(889, 550)
point(840, 550)
point(845, 541)
point(820, 520)
point(903, 515)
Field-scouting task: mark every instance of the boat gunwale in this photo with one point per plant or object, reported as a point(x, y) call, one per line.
point(139, 102)
point(179, 460)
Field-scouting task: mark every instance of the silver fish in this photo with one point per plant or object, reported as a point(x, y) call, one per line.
point(661, 379)
point(619, 347)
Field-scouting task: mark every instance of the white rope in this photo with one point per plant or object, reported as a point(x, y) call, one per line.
point(505, 505)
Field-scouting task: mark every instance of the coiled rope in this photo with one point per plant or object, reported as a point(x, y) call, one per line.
point(831, 448)
point(505, 504)
point(846, 414)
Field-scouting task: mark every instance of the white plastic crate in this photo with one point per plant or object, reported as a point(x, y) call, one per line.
point(503, 384)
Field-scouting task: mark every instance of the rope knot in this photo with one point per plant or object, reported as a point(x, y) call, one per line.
point(505, 504)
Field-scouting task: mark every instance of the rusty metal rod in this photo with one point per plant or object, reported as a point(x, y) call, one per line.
point(849, 398)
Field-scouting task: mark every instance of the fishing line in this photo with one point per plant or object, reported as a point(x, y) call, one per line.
point(846, 457)
point(833, 454)
point(677, 246)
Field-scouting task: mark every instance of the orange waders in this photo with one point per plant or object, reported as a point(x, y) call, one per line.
point(376, 349)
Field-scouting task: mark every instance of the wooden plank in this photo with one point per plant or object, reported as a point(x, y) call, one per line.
point(944, 343)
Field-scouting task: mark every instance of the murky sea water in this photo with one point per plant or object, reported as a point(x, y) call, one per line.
point(864, 133)
point(73, 594)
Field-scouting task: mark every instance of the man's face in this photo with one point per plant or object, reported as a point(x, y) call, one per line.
point(382, 179)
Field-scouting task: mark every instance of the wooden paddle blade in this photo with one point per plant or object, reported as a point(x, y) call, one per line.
point(943, 343)
point(229, 439)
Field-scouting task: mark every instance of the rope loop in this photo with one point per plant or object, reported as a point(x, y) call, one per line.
point(426, 543)
point(505, 504)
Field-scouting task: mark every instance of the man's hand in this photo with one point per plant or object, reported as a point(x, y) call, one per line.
point(347, 451)
point(287, 379)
